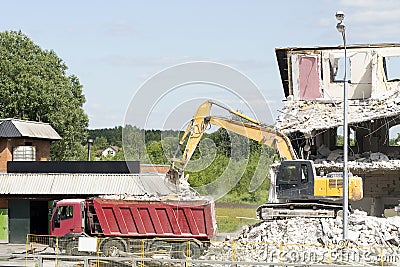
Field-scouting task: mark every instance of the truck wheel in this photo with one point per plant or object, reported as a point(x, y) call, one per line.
point(72, 249)
point(112, 248)
point(192, 250)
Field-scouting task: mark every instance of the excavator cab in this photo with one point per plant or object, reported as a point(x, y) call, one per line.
point(295, 179)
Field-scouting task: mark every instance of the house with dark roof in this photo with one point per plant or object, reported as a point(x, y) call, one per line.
point(22, 140)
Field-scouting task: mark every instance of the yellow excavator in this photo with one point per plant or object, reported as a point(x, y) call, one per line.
point(299, 191)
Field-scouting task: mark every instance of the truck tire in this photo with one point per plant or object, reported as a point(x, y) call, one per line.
point(72, 249)
point(113, 247)
point(191, 249)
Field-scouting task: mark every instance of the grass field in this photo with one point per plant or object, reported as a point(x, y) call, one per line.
point(231, 217)
point(390, 213)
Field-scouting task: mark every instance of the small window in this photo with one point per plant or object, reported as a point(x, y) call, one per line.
point(304, 173)
point(65, 212)
point(289, 173)
point(391, 66)
point(62, 213)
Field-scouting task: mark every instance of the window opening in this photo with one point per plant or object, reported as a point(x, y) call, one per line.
point(394, 135)
point(24, 153)
point(338, 67)
point(289, 173)
point(340, 137)
point(304, 173)
point(63, 213)
point(391, 66)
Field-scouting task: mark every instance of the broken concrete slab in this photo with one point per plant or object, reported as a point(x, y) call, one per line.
point(378, 157)
point(310, 115)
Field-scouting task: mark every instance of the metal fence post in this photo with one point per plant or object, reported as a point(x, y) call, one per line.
point(233, 251)
point(329, 254)
point(40, 259)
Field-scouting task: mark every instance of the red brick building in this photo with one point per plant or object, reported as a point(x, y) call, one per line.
point(25, 141)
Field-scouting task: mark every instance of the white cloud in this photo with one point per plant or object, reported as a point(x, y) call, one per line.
point(370, 4)
point(372, 20)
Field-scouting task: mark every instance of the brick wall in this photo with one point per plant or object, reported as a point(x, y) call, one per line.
point(7, 145)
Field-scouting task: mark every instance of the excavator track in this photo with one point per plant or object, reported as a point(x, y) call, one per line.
point(298, 209)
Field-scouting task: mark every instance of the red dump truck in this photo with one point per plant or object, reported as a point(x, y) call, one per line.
point(135, 226)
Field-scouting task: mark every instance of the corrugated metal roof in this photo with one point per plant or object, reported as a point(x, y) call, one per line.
point(10, 128)
point(83, 184)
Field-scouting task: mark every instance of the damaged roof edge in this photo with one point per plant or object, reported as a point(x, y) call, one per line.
point(281, 57)
point(351, 46)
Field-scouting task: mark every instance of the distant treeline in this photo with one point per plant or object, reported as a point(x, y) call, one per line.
point(114, 135)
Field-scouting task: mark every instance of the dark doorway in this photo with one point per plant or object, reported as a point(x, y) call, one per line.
point(39, 218)
point(18, 212)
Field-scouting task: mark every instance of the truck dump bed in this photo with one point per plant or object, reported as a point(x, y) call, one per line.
point(173, 219)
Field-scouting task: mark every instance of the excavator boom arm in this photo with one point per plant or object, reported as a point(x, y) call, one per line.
point(264, 135)
point(256, 131)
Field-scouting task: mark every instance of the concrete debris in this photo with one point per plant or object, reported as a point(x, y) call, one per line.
point(262, 241)
point(335, 155)
point(324, 151)
point(306, 116)
point(378, 157)
point(363, 161)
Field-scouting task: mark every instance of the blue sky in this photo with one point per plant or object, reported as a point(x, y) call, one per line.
point(115, 46)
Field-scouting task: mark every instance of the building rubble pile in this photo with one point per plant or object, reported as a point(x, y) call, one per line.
point(269, 241)
point(334, 159)
point(306, 116)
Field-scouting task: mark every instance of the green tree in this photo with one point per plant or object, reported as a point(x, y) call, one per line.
point(112, 135)
point(395, 141)
point(156, 153)
point(34, 85)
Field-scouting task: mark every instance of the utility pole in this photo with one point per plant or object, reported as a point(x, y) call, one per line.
point(342, 29)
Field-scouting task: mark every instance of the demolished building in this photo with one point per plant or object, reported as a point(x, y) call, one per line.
point(312, 116)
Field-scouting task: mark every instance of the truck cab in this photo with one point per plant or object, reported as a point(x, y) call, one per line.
point(68, 217)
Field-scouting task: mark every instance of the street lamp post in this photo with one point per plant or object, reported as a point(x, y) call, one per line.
point(89, 143)
point(342, 29)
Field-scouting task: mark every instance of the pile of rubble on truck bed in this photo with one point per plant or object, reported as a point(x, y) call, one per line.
point(314, 240)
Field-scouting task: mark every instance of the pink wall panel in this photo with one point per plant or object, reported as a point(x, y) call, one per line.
point(309, 78)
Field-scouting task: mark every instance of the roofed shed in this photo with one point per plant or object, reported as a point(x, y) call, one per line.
point(22, 140)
